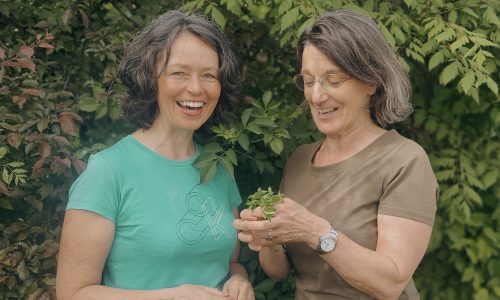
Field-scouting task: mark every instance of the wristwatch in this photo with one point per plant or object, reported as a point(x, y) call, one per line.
point(327, 242)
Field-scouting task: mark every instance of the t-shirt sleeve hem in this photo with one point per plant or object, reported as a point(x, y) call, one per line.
point(89, 206)
point(404, 213)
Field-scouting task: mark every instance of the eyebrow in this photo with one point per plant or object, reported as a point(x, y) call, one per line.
point(329, 71)
point(176, 65)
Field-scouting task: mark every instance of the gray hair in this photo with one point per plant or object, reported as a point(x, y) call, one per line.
point(138, 68)
point(354, 43)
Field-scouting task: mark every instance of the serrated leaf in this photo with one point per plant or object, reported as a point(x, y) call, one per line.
point(482, 41)
point(218, 17)
point(16, 164)
point(472, 195)
point(459, 43)
point(467, 81)
point(289, 18)
point(492, 85)
point(449, 73)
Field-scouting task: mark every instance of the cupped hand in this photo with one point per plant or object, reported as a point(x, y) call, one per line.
point(239, 288)
point(291, 223)
point(190, 291)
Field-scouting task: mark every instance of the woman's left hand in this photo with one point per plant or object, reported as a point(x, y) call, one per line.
point(239, 288)
point(291, 223)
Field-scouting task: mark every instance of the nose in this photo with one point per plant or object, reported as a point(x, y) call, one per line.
point(316, 93)
point(194, 85)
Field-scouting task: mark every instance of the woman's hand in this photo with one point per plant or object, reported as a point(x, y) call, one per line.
point(239, 288)
point(291, 223)
point(189, 291)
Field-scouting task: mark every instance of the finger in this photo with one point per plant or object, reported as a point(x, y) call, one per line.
point(254, 247)
point(213, 291)
point(245, 237)
point(248, 214)
point(246, 225)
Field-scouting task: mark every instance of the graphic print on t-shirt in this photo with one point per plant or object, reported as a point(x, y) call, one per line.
point(203, 216)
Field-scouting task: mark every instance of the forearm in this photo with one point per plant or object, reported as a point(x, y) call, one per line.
point(100, 292)
point(274, 262)
point(237, 269)
point(366, 270)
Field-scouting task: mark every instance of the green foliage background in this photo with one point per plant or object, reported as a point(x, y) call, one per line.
point(58, 105)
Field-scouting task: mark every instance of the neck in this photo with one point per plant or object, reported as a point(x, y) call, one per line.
point(340, 147)
point(168, 142)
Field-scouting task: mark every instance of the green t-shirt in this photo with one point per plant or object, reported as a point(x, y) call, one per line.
point(169, 229)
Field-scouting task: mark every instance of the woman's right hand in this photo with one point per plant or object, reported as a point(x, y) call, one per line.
point(195, 292)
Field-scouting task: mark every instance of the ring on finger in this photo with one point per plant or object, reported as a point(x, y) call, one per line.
point(269, 235)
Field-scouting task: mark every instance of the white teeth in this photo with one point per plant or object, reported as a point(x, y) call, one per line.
point(326, 110)
point(192, 104)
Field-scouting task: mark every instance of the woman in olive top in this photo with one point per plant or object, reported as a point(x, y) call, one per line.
point(359, 204)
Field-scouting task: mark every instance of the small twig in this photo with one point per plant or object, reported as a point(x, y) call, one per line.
point(125, 15)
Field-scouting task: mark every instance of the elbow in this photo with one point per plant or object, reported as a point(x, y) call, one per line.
point(392, 290)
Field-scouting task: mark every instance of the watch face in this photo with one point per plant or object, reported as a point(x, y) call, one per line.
point(327, 244)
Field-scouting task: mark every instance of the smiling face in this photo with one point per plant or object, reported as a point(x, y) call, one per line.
point(188, 89)
point(336, 111)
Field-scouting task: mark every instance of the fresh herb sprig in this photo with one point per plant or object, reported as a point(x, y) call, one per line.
point(266, 200)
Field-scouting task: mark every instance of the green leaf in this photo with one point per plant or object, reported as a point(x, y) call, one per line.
point(231, 155)
point(6, 176)
point(472, 195)
point(449, 73)
point(244, 141)
point(228, 165)
point(234, 6)
point(212, 148)
point(482, 41)
point(3, 151)
point(208, 172)
point(289, 18)
point(436, 59)
point(218, 17)
point(245, 116)
point(16, 164)
point(459, 43)
point(254, 128)
point(5, 203)
point(467, 81)
point(492, 85)
point(387, 34)
point(264, 121)
point(88, 104)
point(277, 145)
point(266, 98)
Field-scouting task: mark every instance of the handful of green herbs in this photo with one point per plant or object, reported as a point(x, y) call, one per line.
point(266, 200)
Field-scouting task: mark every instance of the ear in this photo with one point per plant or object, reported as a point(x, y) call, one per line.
point(372, 89)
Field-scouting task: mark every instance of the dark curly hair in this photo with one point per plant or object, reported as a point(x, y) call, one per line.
point(138, 68)
point(355, 44)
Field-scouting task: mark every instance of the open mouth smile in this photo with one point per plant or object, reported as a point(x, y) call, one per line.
point(191, 105)
point(327, 111)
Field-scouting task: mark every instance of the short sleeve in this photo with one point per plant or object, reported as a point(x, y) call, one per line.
point(411, 190)
point(234, 194)
point(96, 189)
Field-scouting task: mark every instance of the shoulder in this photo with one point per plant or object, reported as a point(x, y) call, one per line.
point(403, 149)
point(304, 151)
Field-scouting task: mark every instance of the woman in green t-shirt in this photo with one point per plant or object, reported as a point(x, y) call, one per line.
point(139, 224)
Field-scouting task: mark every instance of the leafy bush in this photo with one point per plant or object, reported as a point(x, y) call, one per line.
point(59, 103)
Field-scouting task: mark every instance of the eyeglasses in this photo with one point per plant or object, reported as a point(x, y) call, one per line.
point(304, 81)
